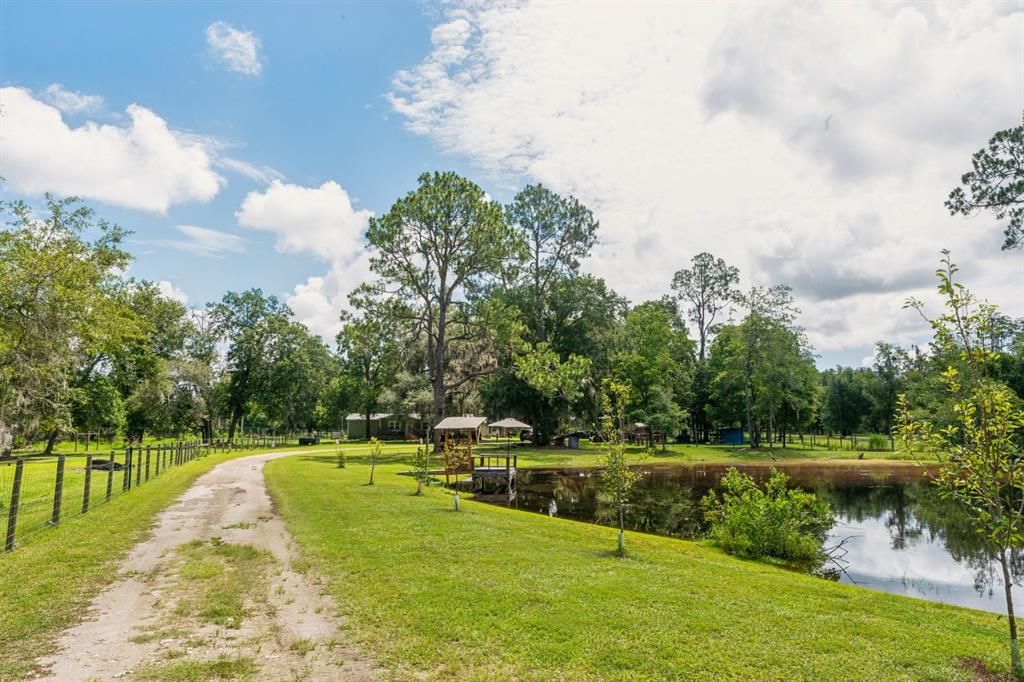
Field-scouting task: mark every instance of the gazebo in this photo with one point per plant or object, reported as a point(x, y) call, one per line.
point(469, 428)
point(506, 425)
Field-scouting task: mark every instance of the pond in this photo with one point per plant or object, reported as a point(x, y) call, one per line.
point(901, 536)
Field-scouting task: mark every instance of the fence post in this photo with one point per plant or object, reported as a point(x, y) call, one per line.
point(156, 463)
point(138, 466)
point(12, 512)
point(88, 484)
point(126, 481)
point(110, 476)
point(58, 492)
point(147, 462)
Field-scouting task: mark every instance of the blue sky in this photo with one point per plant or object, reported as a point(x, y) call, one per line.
point(316, 113)
point(263, 135)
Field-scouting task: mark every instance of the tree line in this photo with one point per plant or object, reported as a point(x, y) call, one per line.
point(473, 307)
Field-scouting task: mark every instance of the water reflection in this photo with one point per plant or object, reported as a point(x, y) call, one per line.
point(901, 536)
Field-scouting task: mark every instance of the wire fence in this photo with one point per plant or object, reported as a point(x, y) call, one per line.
point(38, 493)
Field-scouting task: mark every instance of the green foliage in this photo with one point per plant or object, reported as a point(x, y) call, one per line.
point(421, 468)
point(847, 403)
point(617, 478)
point(370, 356)
point(981, 449)
point(435, 251)
point(248, 322)
point(97, 406)
point(774, 522)
point(339, 456)
point(996, 183)
point(654, 359)
point(57, 308)
point(763, 373)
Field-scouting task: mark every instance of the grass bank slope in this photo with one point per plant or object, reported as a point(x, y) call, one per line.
point(490, 593)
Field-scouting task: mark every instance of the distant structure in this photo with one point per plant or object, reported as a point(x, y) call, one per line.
point(386, 426)
point(731, 436)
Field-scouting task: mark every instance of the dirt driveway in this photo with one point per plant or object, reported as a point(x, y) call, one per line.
point(215, 592)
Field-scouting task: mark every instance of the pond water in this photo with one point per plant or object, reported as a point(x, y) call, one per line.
point(901, 536)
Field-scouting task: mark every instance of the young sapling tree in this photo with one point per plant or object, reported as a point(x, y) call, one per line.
point(421, 468)
point(375, 446)
point(618, 480)
point(980, 451)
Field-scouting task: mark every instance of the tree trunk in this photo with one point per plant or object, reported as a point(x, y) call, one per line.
point(1011, 619)
point(438, 409)
point(51, 441)
point(622, 532)
point(746, 400)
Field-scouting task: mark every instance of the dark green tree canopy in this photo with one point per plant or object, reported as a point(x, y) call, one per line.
point(996, 184)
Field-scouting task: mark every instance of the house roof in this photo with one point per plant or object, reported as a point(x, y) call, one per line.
point(377, 416)
point(362, 417)
point(459, 423)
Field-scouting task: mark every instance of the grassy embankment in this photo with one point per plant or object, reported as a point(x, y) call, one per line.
point(494, 593)
point(47, 582)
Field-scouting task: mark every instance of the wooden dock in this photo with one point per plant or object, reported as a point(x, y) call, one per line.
point(495, 474)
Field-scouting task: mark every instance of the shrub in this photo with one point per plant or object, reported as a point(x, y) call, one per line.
point(775, 522)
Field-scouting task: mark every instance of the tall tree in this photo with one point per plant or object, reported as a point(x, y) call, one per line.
point(890, 366)
point(762, 369)
point(654, 361)
point(847, 401)
point(996, 184)
point(558, 233)
point(707, 287)
point(434, 252)
point(370, 353)
point(56, 307)
point(145, 362)
point(247, 321)
point(298, 370)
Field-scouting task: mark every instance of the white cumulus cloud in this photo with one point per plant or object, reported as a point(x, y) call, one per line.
point(169, 290)
point(320, 221)
point(143, 165)
point(807, 144)
point(238, 50)
point(317, 220)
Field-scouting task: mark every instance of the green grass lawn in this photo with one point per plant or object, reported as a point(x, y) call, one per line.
point(48, 581)
point(493, 593)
